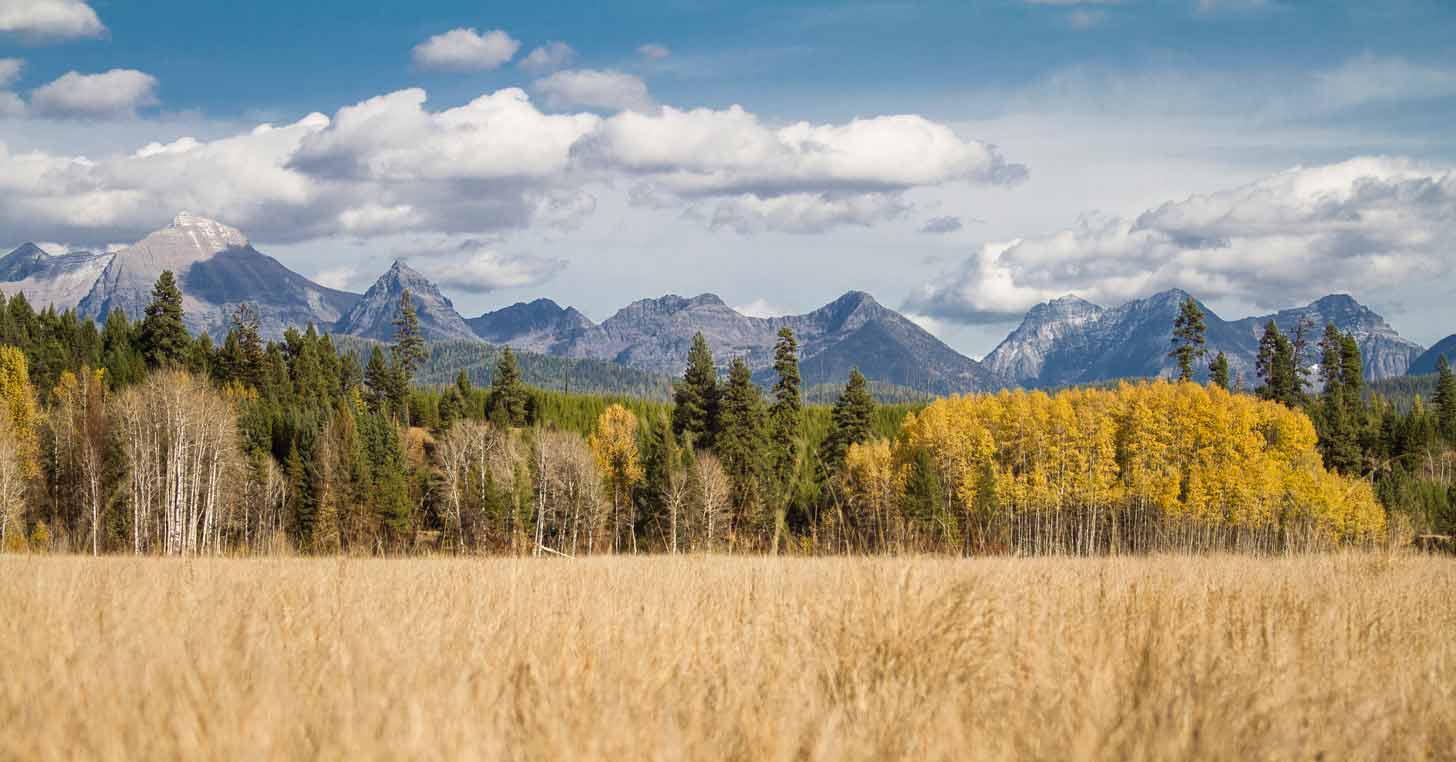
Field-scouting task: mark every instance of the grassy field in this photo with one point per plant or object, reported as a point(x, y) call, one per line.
point(1331, 657)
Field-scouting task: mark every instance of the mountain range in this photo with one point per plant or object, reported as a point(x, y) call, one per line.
point(1071, 341)
point(1062, 342)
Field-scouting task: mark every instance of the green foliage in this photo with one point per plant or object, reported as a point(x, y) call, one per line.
point(1188, 338)
point(164, 339)
point(1445, 399)
point(409, 351)
point(507, 403)
point(1218, 372)
point(741, 441)
point(1278, 368)
point(851, 422)
point(695, 400)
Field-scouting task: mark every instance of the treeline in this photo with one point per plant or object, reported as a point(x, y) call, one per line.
point(137, 437)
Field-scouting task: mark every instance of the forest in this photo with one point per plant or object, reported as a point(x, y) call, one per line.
point(136, 437)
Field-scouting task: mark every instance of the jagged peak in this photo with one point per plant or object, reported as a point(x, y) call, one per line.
point(28, 249)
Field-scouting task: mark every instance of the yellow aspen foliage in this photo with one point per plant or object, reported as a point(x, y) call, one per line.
point(17, 403)
point(615, 446)
point(1209, 463)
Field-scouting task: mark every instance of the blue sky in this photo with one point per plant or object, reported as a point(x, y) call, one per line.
point(1104, 148)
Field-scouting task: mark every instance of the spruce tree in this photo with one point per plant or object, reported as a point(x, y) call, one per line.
point(508, 398)
point(785, 418)
point(1188, 338)
point(379, 381)
point(410, 351)
point(1337, 440)
point(164, 340)
point(1445, 399)
point(1219, 372)
point(741, 440)
point(850, 422)
point(1276, 366)
point(695, 400)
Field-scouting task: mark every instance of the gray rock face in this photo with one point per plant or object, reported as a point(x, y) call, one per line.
point(541, 326)
point(48, 280)
point(1074, 342)
point(217, 271)
point(1426, 363)
point(853, 331)
point(372, 317)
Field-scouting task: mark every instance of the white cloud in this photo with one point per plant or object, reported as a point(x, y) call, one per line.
point(389, 165)
point(548, 58)
point(1208, 7)
point(10, 69)
point(466, 50)
point(1372, 79)
point(591, 88)
point(342, 277)
point(759, 308)
point(482, 270)
point(119, 92)
point(11, 104)
point(804, 213)
point(1293, 235)
point(653, 51)
point(50, 19)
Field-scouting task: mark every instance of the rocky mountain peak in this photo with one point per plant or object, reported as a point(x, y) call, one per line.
point(373, 316)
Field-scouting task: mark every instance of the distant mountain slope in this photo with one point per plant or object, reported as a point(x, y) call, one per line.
point(852, 331)
point(1426, 363)
point(373, 316)
point(1071, 341)
point(217, 270)
point(540, 326)
point(49, 280)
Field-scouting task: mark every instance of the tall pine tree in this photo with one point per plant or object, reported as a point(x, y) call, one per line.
point(507, 404)
point(695, 399)
point(1188, 338)
point(410, 351)
point(1445, 398)
point(785, 418)
point(850, 422)
point(740, 442)
point(1218, 372)
point(164, 340)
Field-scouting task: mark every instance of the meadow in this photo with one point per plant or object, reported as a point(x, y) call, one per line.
point(1340, 656)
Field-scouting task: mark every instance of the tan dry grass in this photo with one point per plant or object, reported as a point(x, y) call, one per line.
point(1334, 657)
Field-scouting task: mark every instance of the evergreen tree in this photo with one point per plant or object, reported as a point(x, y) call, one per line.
point(381, 381)
point(1188, 338)
point(164, 340)
point(850, 422)
point(410, 351)
point(1276, 366)
point(124, 364)
point(785, 419)
point(1219, 372)
point(741, 441)
point(695, 400)
point(508, 397)
point(1337, 436)
point(1445, 399)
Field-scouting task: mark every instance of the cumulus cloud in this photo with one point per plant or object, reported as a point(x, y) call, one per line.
point(390, 165)
point(1295, 234)
point(797, 178)
point(476, 269)
point(941, 225)
point(119, 92)
point(466, 50)
point(50, 19)
point(653, 51)
point(591, 88)
point(548, 58)
point(10, 69)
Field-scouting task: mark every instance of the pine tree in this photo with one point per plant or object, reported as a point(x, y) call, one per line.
point(1188, 338)
point(1445, 398)
point(741, 441)
point(164, 340)
point(1276, 366)
point(124, 364)
point(1338, 414)
point(785, 418)
point(409, 349)
point(1219, 372)
point(508, 397)
point(695, 400)
point(380, 379)
point(850, 422)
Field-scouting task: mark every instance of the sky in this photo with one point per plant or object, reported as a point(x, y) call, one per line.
point(962, 161)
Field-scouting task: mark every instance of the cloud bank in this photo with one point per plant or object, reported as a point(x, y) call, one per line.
point(1293, 235)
